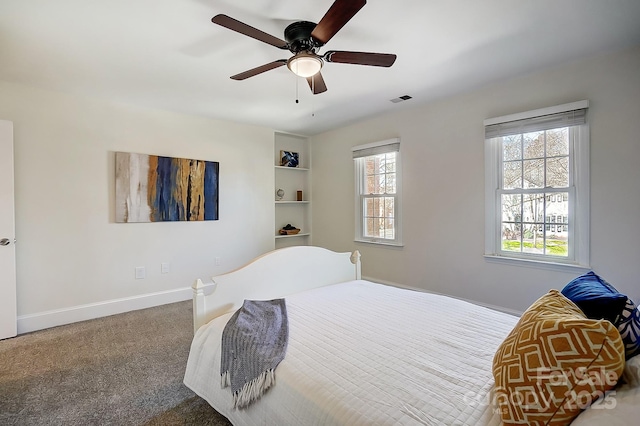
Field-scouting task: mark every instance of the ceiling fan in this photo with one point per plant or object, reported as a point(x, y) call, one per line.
point(304, 39)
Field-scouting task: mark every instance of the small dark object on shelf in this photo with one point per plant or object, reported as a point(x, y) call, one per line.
point(289, 230)
point(289, 159)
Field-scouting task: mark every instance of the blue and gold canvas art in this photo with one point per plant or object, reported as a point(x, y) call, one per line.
point(151, 188)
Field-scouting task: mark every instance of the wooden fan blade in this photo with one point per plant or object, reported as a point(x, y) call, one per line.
point(360, 58)
point(248, 30)
point(259, 70)
point(340, 12)
point(317, 84)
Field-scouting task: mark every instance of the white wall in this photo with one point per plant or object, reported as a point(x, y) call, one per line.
point(73, 260)
point(443, 179)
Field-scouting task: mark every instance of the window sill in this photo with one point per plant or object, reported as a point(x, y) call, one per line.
point(379, 243)
point(534, 263)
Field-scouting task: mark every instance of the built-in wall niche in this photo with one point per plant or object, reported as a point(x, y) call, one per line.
point(292, 190)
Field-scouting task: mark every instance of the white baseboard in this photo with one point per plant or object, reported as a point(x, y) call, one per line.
point(42, 320)
point(48, 319)
point(486, 305)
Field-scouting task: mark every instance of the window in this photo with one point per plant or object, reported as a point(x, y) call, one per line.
point(537, 185)
point(378, 184)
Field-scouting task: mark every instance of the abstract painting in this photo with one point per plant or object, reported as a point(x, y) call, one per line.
point(289, 159)
point(151, 188)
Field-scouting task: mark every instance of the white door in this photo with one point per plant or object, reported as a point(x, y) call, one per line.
point(8, 314)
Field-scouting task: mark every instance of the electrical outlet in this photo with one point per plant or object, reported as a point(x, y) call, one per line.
point(217, 261)
point(165, 268)
point(141, 273)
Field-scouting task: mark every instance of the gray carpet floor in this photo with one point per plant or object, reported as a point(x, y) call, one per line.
point(124, 369)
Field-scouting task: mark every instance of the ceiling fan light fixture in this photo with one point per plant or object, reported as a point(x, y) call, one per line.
point(305, 64)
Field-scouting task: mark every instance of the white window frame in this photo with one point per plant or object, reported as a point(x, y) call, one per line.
point(579, 222)
point(360, 153)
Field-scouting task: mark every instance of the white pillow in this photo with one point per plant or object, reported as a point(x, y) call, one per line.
point(621, 407)
point(631, 373)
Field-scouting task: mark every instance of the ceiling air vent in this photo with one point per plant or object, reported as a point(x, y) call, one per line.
point(400, 99)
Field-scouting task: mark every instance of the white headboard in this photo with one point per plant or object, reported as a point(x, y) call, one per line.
point(273, 275)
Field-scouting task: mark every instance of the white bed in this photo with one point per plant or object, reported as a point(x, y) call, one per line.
point(359, 353)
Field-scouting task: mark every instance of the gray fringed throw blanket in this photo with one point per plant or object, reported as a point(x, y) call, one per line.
point(254, 341)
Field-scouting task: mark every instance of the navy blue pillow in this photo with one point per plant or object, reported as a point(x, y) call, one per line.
point(596, 297)
point(629, 328)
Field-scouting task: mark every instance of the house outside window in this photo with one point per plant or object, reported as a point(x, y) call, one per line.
point(378, 190)
point(537, 185)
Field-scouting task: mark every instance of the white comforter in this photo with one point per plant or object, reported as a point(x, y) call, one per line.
point(361, 353)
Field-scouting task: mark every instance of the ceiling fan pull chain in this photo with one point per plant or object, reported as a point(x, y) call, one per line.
point(297, 82)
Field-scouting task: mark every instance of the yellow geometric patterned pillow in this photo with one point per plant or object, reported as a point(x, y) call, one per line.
point(555, 363)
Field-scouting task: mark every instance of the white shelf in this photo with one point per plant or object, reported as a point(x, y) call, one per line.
point(292, 168)
point(306, 234)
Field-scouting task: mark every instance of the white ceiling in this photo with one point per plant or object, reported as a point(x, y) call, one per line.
point(167, 54)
